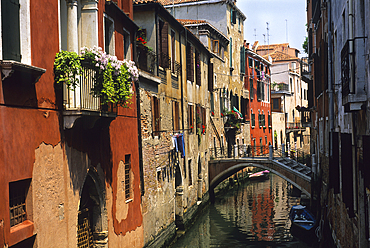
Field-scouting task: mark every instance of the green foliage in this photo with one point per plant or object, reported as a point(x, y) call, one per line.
point(305, 45)
point(67, 68)
point(112, 80)
point(233, 120)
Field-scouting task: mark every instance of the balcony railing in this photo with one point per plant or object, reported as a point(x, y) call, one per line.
point(294, 126)
point(147, 59)
point(306, 118)
point(80, 99)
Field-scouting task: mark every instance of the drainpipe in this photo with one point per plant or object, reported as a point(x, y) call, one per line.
point(330, 82)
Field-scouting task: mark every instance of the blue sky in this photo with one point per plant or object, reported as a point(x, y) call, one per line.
point(275, 12)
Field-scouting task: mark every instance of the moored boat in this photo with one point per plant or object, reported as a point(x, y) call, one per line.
point(262, 175)
point(302, 218)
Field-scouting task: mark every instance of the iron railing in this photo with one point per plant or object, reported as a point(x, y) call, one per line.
point(306, 116)
point(239, 151)
point(146, 59)
point(294, 126)
point(81, 97)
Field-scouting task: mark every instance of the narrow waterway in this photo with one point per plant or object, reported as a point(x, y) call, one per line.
point(254, 214)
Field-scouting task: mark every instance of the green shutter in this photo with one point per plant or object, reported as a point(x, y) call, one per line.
point(10, 30)
point(242, 60)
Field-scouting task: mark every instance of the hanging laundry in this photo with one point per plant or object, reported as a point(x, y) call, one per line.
point(174, 143)
point(180, 144)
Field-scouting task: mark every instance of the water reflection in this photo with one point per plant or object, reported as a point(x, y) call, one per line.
point(252, 215)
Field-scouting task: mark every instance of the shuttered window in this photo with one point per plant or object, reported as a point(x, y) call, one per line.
point(176, 116)
point(197, 68)
point(11, 30)
point(251, 91)
point(253, 120)
point(347, 172)
point(189, 63)
point(163, 56)
point(210, 77)
point(156, 116)
point(231, 52)
point(242, 60)
point(191, 118)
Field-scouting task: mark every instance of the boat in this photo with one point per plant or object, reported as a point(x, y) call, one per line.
point(302, 218)
point(262, 175)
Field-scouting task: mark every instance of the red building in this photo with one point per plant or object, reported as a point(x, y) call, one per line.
point(257, 81)
point(69, 166)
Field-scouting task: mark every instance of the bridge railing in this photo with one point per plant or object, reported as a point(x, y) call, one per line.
point(240, 151)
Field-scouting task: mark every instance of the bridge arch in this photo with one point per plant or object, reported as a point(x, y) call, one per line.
point(227, 172)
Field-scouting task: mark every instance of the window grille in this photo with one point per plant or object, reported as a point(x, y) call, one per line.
point(127, 176)
point(17, 201)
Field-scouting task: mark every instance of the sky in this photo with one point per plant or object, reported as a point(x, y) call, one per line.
point(286, 18)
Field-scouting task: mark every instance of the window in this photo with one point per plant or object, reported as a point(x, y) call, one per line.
point(215, 46)
point(242, 60)
point(191, 118)
point(156, 116)
point(261, 145)
point(127, 42)
point(163, 58)
point(175, 115)
point(266, 140)
point(239, 24)
point(11, 39)
point(251, 92)
point(291, 84)
point(189, 63)
point(17, 201)
point(259, 91)
point(173, 51)
point(197, 68)
point(222, 52)
point(269, 120)
point(190, 177)
point(233, 16)
point(127, 176)
point(108, 35)
point(210, 78)
point(253, 119)
point(250, 62)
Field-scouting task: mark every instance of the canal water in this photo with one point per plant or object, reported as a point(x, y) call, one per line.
point(253, 214)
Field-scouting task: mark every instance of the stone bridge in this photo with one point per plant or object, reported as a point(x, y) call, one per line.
point(297, 174)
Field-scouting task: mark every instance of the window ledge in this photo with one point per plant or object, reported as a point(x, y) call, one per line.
point(16, 71)
point(21, 232)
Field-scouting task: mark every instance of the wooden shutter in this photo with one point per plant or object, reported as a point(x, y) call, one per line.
point(164, 46)
point(231, 52)
point(347, 172)
point(189, 63)
point(210, 77)
point(11, 30)
point(253, 120)
point(156, 115)
point(242, 60)
point(198, 68)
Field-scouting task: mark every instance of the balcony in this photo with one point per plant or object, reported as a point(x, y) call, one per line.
point(79, 103)
point(146, 59)
point(306, 71)
point(294, 126)
point(306, 118)
point(353, 94)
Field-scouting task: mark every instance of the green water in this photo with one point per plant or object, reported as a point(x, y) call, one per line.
point(254, 214)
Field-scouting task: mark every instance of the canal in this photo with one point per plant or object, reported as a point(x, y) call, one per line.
point(252, 214)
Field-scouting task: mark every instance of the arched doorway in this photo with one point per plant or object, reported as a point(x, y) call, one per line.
point(92, 220)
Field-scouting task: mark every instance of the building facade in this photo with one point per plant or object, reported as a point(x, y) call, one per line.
point(229, 65)
point(289, 96)
point(338, 72)
point(175, 117)
point(257, 82)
